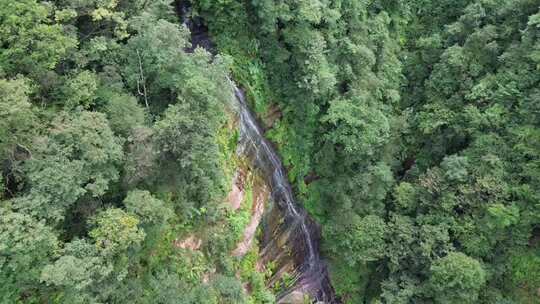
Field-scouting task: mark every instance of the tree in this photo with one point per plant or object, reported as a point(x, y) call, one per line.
point(149, 209)
point(31, 41)
point(79, 274)
point(80, 91)
point(99, 14)
point(115, 231)
point(186, 139)
point(17, 118)
point(405, 196)
point(2, 188)
point(356, 239)
point(74, 276)
point(456, 278)
point(141, 156)
point(229, 289)
point(160, 72)
point(360, 128)
point(167, 288)
point(153, 58)
point(26, 246)
point(79, 156)
point(455, 168)
point(124, 114)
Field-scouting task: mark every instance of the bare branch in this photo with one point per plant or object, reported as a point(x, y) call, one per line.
point(142, 81)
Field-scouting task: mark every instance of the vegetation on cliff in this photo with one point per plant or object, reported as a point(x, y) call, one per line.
point(410, 131)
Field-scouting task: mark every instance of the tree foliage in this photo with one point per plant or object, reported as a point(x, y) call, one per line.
point(409, 130)
point(456, 278)
point(31, 41)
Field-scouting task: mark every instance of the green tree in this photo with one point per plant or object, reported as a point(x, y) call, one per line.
point(356, 239)
point(186, 139)
point(116, 231)
point(149, 209)
point(17, 117)
point(141, 157)
point(26, 246)
point(229, 289)
point(360, 128)
point(124, 114)
point(167, 288)
point(456, 278)
point(103, 14)
point(80, 91)
point(31, 41)
point(79, 274)
point(80, 155)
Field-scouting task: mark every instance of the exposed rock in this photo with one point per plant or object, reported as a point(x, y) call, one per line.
point(208, 276)
point(272, 115)
point(192, 243)
point(260, 197)
point(311, 177)
point(236, 196)
point(295, 297)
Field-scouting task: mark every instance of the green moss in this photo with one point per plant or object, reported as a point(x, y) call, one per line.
point(239, 219)
point(227, 142)
point(247, 268)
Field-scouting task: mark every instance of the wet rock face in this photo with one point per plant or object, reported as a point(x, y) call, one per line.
point(290, 238)
point(197, 27)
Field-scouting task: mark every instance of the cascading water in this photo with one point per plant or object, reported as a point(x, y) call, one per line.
point(290, 238)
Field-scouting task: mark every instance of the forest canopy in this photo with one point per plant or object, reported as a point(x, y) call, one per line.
point(410, 131)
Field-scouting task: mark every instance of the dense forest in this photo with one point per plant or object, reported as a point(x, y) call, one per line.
point(410, 131)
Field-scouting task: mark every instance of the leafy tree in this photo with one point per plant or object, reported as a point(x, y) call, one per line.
point(31, 41)
point(116, 231)
point(402, 289)
point(2, 187)
point(79, 156)
point(74, 276)
point(358, 240)
point(26, 246)
point(80, 91)
point(229, 290)
point(124, 114)
point(102, 14)
point(405, 196)
point(167, 288)
point(456, 278)
point(360, 129)
point(153, 58)
point(524, 274)
point(184, 137)
point(148, 208)
point(141, 156)
point(17, 118)
point(79, 274)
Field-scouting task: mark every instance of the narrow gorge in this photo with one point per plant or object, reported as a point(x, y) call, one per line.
point(290, 238)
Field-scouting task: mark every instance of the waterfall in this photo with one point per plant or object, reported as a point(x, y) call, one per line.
point(290, 237)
